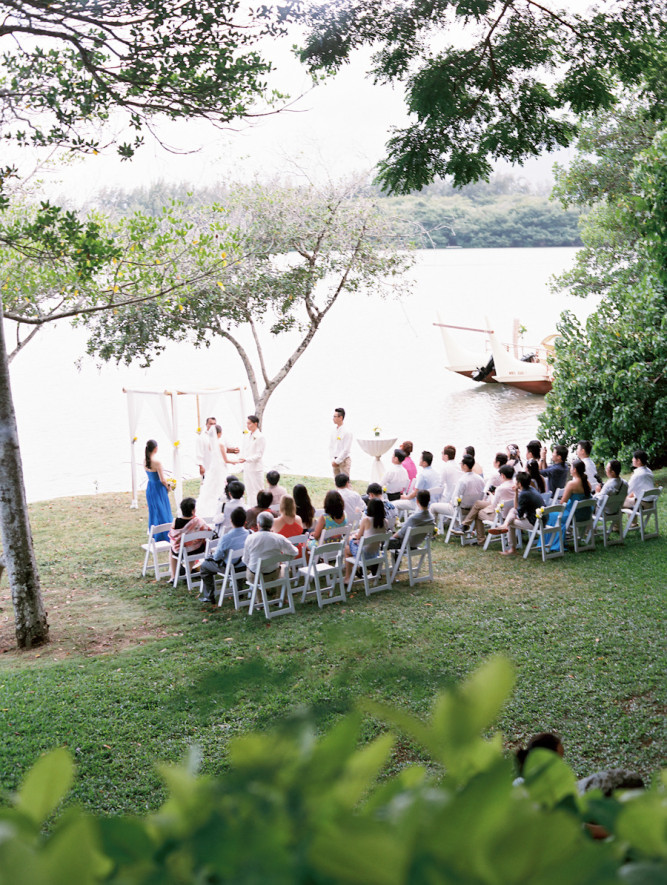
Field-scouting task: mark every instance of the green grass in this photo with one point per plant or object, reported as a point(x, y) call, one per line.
point(137, 672)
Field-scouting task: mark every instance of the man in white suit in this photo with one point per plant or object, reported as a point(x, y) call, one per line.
point(254, 445)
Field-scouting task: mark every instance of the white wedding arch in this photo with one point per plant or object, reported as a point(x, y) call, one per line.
point(164, 408)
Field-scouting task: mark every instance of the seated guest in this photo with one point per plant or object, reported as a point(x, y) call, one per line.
point(485, 508)
point(374, 491)
point(273, 480)
point(334, 516)
point(584, 449)
point(533, 451)
point(352, 501)
point(513, 456)
point(536, 478)
point(557, 472)
point(496, 479)
point(523, 515)
point(396, 479)
point(234, 492)
point(409, 464)
point(641, 479)
point(264, 501)
point(373, 523)
point(477, 468)
point(427, 478)
point(613, 486)
point(263, 543)
point(450, 474)
point(288, 523)
point(470, 488)
point(304, 506)
point(422, 516)
point(213, 565)
point(186, 524)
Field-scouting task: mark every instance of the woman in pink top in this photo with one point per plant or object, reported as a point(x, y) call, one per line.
point(409, 464)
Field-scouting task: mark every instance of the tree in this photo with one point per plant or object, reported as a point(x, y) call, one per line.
point(610, 380)
point(68, 68)
point(295, 251)
point(514, 90)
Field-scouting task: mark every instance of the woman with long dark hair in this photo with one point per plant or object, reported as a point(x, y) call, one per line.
point(334, 515)
point(304, 506)
point(157, 491)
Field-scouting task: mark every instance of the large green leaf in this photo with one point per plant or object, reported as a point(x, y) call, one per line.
point(45, 785)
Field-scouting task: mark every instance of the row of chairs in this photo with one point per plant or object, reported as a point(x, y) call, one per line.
point(586, 521)
point(318, 572)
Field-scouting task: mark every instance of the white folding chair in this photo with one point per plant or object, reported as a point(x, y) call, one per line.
point(557, 495)
point(335, 534)
point(325, 570)
point(233, 580)
point(547, 534)
point(186, 559)
point(442, 512)
point(282, 604)
point(153, 549)
point(416, 548)
point(378, 559)
point(547, 497)
point(579, 525)
point(300, 560)
point(456, 519)
point(609, 516)
point(498, 519)
point(639, 516)
point(436, 493)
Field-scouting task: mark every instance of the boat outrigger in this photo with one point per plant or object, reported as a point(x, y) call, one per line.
point(530, 371)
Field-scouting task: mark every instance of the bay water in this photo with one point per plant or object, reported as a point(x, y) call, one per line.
point(381, 359)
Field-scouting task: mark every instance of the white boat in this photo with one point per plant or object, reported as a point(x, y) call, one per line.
point(532, 373)
point(459, 359)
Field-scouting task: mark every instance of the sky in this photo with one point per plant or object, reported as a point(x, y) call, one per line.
point(335, 130)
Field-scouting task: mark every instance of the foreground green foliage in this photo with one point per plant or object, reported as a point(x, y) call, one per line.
point(296, 808)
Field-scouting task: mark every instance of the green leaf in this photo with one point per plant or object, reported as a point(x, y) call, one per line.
point(45, 785)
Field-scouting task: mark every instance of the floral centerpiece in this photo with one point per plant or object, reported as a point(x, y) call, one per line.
point(377, 431)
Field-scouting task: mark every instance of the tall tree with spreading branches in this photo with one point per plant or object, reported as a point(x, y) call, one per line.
point(293, 252)
point(66, 69)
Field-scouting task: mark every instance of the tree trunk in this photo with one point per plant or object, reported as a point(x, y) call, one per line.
point(31, 625)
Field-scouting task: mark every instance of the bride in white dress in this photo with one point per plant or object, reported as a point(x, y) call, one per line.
point(214, 481)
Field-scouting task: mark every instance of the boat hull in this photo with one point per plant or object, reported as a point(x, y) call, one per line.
point(467, 373)
point(530, 385)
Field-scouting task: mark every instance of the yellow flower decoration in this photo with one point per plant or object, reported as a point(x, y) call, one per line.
point(134, 439)
point(177, 443)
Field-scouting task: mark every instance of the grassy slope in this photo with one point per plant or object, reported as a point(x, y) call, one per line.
point(137, 672)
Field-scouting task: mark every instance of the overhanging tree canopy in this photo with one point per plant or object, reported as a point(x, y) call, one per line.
point(515, 88)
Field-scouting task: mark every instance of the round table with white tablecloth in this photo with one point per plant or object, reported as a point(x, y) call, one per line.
point(376, 448)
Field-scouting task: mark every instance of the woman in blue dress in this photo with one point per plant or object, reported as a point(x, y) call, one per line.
point(577, 489)
point(157, 494)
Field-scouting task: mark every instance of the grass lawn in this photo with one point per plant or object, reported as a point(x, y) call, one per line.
point(137, 672)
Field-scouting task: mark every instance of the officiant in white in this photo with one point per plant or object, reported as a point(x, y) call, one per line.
point(252, 459)
point(205, 447)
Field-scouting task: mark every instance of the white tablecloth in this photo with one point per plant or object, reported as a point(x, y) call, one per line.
point(376, 447)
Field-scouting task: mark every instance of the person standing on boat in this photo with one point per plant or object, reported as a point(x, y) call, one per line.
point(340, 445)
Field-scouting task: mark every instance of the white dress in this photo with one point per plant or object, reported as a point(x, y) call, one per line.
point(213, 484)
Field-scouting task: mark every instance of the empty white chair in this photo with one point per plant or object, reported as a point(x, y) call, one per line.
point(324, 574)
point(281, 604)
point(548, 534)
point(186, 559)
point(416, 549)
point(644, 510)
point(154, 549)
point(374, 567)
point(579, 525)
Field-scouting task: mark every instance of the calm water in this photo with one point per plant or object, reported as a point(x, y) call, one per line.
point(381, 359)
